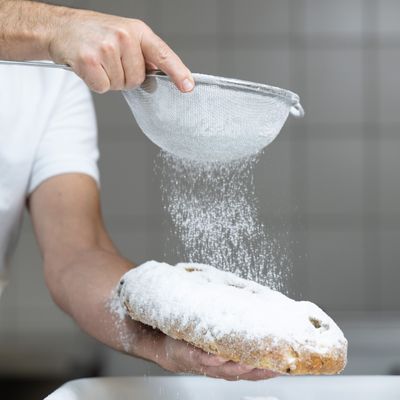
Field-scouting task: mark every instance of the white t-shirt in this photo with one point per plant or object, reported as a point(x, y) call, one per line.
point(47, 127)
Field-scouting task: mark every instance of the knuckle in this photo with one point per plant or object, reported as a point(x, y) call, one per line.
point(139, 24)
point(135, 78)
point(138, 80)
point(107, 47)
point(88, 59)
point(100, 87)
point(117, 85)
point(122, 35)
point(164, 52)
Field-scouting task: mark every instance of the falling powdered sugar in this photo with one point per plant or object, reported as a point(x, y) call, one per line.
point(212, 208)
point(126, 336)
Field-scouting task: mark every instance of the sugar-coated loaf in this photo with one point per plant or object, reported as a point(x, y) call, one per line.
point(234, 318)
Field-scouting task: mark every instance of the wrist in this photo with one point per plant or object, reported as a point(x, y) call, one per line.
point(149, 344)
point(60, 20)
point(27, 28)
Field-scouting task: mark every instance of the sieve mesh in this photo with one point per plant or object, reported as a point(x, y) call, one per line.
point(220, 120)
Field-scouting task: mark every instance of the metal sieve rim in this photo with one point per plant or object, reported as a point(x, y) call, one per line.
point(292, 98)
point(236, 83)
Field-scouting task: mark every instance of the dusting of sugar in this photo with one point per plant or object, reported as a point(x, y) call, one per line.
point(222, 304)
point(115, 306)
point(212, 209)
point(125, 336)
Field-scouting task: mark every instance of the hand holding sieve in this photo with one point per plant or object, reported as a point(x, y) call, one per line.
point(221, 120)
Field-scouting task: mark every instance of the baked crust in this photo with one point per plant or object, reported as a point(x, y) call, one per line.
point(277, 354)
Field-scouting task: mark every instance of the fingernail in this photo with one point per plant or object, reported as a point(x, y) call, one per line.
point(187, 85)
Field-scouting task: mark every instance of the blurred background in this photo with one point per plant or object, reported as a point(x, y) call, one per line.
point(329, 184)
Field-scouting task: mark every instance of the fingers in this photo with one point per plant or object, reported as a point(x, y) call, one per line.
point(234, 371)
point(259, 374)
point(112, 53)
point(158, 53)
point(229, 370)
point(133, 63)
point(91, 71)
point(111, 63)
point(187, 358)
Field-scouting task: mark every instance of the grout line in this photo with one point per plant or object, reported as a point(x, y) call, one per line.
point(298, 158)
point(372, 251)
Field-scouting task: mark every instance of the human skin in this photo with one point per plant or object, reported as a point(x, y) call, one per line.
point(82, 268)
point(108, 52)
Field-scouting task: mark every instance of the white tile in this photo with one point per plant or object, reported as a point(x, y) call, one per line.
point(389, 184)
point(131, 9)
point(68, 3)
point(388, 17)
point(126, 168)
point(335, 269)
point(28, 272)
point(334, 86)
point(48, 320)
point(335, 177)
point(389, 86)
point(201, 60)
point(139, 245)
point(115, 119)
point(192, 17)
point(8, 310)
point(264, 65)
point(117, 364)
point(333, 17)
point(390, 268)
point(32, 308)
point(258, 17)
point(273, 179)
point(389, 132)
point(335, 131)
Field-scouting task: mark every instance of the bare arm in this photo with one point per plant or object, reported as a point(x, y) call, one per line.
point(106, 51)
point(82, 267)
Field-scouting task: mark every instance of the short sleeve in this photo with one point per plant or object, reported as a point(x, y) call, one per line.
point(69, 140)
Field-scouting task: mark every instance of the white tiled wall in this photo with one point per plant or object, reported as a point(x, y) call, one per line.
point(258, 17)
point(341, 17)
point(389, 84)
point(335, 176)
point(334, 86)
point(388, 13)
point(332, 178)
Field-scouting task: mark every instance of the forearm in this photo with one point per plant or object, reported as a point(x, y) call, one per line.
point(82, 270)
point(26, 28)
point(83, 287)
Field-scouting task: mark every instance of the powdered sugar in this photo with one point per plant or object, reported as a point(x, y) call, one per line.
point(214, 219)
point(117, 310)
point(220, 304)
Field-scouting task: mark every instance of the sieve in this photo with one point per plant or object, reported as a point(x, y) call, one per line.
point(221, 120)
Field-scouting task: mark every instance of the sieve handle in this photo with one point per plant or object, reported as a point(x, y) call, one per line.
point(297, 109)
point(49, 64)
point(37, 64)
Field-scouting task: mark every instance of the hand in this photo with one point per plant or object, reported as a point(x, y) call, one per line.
point(179, 356)
point(113, 53)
